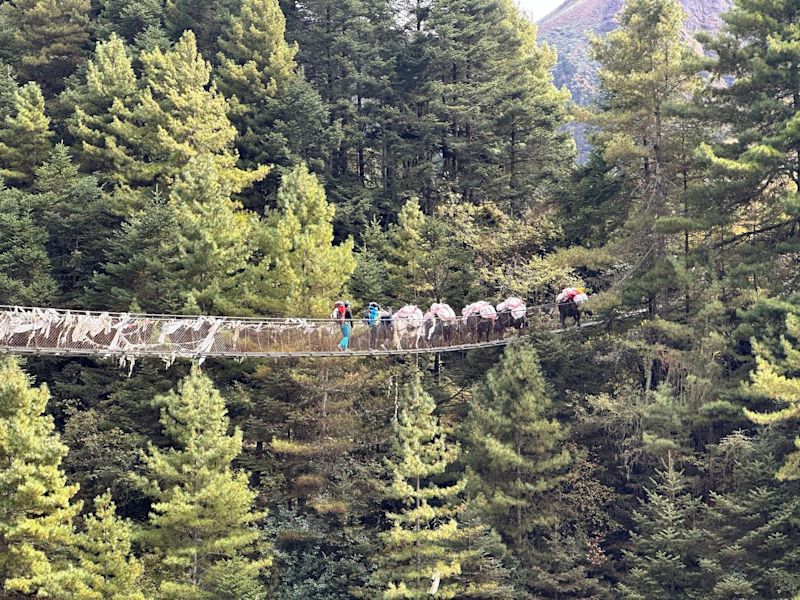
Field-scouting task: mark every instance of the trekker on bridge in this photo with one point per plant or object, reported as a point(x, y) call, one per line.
point(345, 319)
point(373, 320)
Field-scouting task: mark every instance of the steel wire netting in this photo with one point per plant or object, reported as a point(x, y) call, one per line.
point(34, 330)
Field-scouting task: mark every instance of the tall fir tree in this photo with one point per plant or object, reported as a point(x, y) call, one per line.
point(212, 240)
point(109, 571)
point(36, 512)
point(26, 276)
point(24, 136)
point(280, 118)
point(202, 522)
point(421, 554)
point(515, 448)
point(301, 269)
point(778, 379)
point(44, 39)
point(665, 549)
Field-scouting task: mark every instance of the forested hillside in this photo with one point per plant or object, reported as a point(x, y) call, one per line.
point(245, 157)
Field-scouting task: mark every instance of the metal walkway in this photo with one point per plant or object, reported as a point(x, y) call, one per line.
point(126, 336)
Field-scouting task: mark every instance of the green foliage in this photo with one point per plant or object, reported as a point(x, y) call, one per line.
point(666, 545)
point(109, 571)
point(35, 510)
point(515, 448)
point(25, 270)
point(420, 545)
point(779, 380)
point(44, 39)
point(24, 136)
point(201, 522)
point(302, 270)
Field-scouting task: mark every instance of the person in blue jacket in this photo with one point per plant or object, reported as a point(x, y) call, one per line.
point(374, 321)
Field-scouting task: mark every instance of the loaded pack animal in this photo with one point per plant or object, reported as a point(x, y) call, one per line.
point(511, 314)
point(479, 320)
point(441, 325)
point(408, 322)
point(570, 305)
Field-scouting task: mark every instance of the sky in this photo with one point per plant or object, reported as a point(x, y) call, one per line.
point(538, 8)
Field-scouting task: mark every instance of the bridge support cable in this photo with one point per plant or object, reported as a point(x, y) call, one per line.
point(127, 336)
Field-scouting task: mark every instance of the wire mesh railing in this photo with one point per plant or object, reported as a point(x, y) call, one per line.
point(36, 330)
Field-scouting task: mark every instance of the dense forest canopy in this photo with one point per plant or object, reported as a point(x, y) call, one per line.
point(257, 157)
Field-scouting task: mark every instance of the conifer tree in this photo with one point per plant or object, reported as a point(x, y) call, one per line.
point(755, 172)
point(24, 136)
point(141, 269)
point(110, 91)
point(202, 518)
point(35, 511)
point(779, 380)
point(109, 571)
point(646, 68)
point(213, 236)
point(302, 269)
point(44, 39)
point(25, 270)
point(423, 545)
point(666, 546)
point(73, 211)
point(8, 90)
point(128, 19)
point(514, 448)
point(279, 116)
point(405, 266)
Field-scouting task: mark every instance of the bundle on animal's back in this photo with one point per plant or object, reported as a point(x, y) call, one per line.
point(576, 295)
point(409, 322)
point(515, 306)
point(440, 311)
point(482, 308)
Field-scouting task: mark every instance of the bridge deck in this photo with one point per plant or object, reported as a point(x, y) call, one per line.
point(58, 332)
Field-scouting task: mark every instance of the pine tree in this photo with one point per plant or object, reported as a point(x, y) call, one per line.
point(206, 19)
point(423, 543)
point(666, 546)
point(514, 448)
point(35, 510)
point(302, 269)
point(749, 550)
point(779, 380)
point(110, 91)
point(72, 209)
point(128, 19)
point(141, 270)
point(279, 116)
point(109, 571)
point(25, 270)
point(213, 236)
point(404, 264)
point(44, 39)
point(646, 68)
point(24, 136)
point(755, 172)
point(201, 522)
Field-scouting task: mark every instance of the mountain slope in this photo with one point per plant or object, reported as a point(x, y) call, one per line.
point(570, 26)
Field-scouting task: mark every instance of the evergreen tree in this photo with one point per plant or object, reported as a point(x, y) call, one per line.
point(514, 448)
point(779, 380)
point(44, 39)
point(201, 522)
point(423, 545)
point(110, 90)
point(302, 269)
point(72, 209)
point(213, 236)
point(749, 523)
point(128, 19)
point(646, 68)
point(25, 271)
point(755, 172)
point(8, 91)
point(404, 256)
point(206, 19)
point(279, 116)
point(141, 269)
point(35, 510)
point(109, 571)
point(666, 546)
point(25, 136)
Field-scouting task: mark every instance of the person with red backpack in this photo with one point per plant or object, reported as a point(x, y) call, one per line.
point(343, 316)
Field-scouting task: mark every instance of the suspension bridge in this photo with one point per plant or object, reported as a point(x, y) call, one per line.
point(128, 336)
